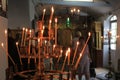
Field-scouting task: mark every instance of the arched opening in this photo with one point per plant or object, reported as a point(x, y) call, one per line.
point(113, 29)
point(110, 24)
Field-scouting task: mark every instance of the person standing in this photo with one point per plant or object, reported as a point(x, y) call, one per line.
point(84, 64)
point(75, 39)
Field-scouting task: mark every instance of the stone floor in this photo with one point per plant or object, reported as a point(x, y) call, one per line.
point(100, 75)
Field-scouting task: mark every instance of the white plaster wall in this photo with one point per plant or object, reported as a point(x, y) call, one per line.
point(3, 57)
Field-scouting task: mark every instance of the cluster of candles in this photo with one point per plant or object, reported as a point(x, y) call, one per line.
point(81, 53)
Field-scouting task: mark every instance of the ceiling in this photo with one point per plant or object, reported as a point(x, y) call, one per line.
point(96, 8)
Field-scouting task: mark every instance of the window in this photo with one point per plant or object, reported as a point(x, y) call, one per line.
point(113, 29)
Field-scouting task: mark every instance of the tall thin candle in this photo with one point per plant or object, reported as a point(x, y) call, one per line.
point(44, 10)
point(56, 31)
point(19, 53)
point(68, 56)
point(23, 31)
point(75, 52)
point(65, 60)
point(26, 30)
point(61, 51)
point(82, 52)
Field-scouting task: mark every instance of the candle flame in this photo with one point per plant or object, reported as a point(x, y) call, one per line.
point(78, 10)
point(2, 44)
point(66, 53)
point(52, 9)
point(77, 42)
point(56, 20)
point(43, 27)
point(89, 34)
point(42, 31)
point(44, 10)
point(50, 21)
point(71, 11)
point(61, 51)
point(45, 41)
point(38, 39)
point(16, 43)
point(26, 30)
point(30, 30)
point(5, 31)
point(80, 54)
point(54, 46)
point(74, 9)
point(68, 49)
point(23, 28)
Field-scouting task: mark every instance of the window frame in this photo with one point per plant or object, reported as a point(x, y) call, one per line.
point(113, 20)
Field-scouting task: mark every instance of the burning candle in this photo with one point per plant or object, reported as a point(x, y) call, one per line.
point(52, 11)
point(56, 31)
point(68, 56)
point(29, 46)
point(41, 37)
point(50, 20)
point(61, 51)
point(54, 48)
point(75, 51)
point(65, 60)
point(26, 30)
point(30, 33)
point(18, 52)
point(76, 65)
point(23, 31)
point(44, 10)
point(82, 52)
point(49, 28)
point(6, 41)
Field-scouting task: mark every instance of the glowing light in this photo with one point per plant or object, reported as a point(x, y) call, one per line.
point(38, 39)
point(2, 44)
point(78, 10)
point(44, 10)
point(61, 51)
point(89, 34)
point(16, 43)
point(5, 31)
point(56, 20)
point(52, 9)
point(77, 42)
